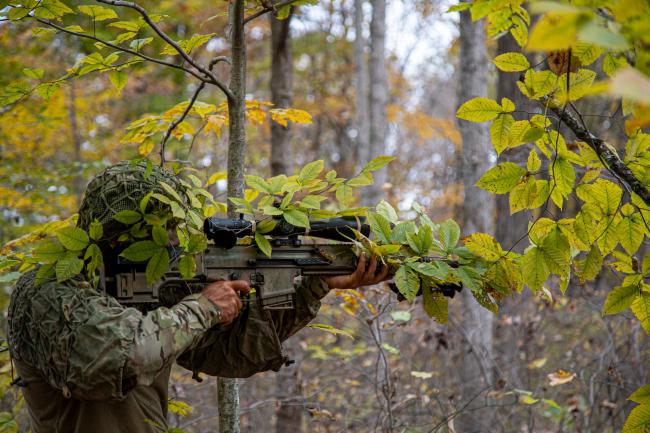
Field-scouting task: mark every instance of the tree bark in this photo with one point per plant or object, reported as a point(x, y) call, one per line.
point(289, 414)
point(78, 181)
point(378, 98)
point(281, 92)
point(477, 216)
point(510, 228)
point(228, 389)
point(361, 81)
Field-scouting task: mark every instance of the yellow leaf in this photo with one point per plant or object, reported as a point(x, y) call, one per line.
point(537, 363)
point(215, 123)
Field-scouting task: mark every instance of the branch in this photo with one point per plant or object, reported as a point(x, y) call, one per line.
point(177, 122)
point(123, 49)
point(268, 9)
point(208, 73)
point(605, 152)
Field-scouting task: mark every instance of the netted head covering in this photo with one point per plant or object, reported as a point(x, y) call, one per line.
point(121, 187)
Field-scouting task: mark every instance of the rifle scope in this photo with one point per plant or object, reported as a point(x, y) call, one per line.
point(225, 232)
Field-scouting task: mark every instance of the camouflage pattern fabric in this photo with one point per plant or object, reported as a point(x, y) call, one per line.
point(253, 342)
point(91, 347)
point(121, 187)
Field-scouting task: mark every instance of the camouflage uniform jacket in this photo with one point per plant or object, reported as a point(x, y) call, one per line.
point(91, 364)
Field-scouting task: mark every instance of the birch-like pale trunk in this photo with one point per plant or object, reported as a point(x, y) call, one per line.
point(476, 369)
point(378, 98)
point(228, 389)
point(361, 81)
point(289, 414)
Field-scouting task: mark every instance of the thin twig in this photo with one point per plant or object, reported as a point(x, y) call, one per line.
point(177, 122)
point(205, 71)
point(117, 47)
point(268, 9)
point(614, 164)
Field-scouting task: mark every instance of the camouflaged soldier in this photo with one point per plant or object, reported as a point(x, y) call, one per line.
point(89, 364)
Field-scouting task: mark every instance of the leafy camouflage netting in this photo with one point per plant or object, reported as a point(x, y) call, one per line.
point(121, 187)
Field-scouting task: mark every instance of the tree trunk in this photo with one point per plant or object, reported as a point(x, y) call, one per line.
point(477, 216)
point(510, 228)
point(289, 385)
point(378, 99)
point(281, 92)
point(228, 389)
point(78, 181)
point(361, 81)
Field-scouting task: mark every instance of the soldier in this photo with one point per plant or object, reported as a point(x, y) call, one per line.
point(89, 364)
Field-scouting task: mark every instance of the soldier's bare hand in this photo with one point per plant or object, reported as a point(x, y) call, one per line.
point(226, 296)
point(374, 274)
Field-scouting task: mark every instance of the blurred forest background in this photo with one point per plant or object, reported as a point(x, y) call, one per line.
point(378, 77)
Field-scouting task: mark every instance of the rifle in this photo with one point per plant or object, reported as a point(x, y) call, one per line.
point(274, 278)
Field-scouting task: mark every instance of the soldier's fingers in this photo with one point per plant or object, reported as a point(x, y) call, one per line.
point(372, 268)
point(381, 276)
point(240, 286)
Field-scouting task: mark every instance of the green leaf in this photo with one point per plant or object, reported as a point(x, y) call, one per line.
point(400, 316)
point(98, 13)
point(272, 210)
point(380, 227)
point(10, 277)
point(96, 259)
point(484, 245)
point(364, 178)
point(511, 62)
point(501, 178)
point(479, 110)
point(48, 251)
point(46, 90)
point(378, 163)
point(401, 230)
point(177, 210)
point(96, 230)
point(344, 194)
point(257, 183)
point(157, 265)
point(128, 217)
point(435, 304)
point(408, 282)
point(7, 423)
point(638, 421)
point(449, 234)
point(620, 298)
point(311, 170)
point(564, 175)
point(187, 266)
point(140, 251)
point(263, 244)
point(590, 267)
point(524, 195)
point(296, 218)
point(631, 231)
point(439, 270)
point(171, 191)
point(470, 277)
point(641, 395)
point(72, 238)
point(118, 78)
point(36, 74)
point(44, 273)
point(132, 26)
point(641, 309)
point(68, 267)
point(534, 163)
point(500, 132)
point(160, 236)
point(534, 268)
point(603, 194)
